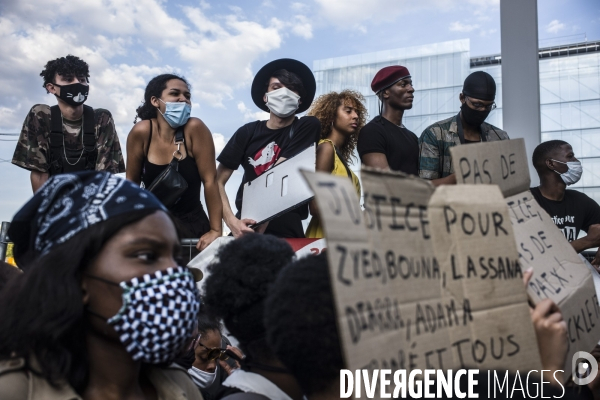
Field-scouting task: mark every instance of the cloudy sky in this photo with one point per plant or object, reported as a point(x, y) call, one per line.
point(219, 45)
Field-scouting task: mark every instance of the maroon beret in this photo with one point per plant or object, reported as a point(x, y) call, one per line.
point(387, 76)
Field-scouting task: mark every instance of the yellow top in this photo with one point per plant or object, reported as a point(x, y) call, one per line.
point(315, 229)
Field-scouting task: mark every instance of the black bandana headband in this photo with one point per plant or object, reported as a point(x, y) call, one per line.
point(70, 203)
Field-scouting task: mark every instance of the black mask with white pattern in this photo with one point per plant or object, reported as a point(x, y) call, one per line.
point(74, 94)
point(158, 314)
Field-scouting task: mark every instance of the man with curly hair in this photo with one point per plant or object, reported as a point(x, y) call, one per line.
point(384, 142)
point(342, 116)
point(70, 136)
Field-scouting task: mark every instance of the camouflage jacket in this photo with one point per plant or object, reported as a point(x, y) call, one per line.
point(33, 148)
point(435, 143)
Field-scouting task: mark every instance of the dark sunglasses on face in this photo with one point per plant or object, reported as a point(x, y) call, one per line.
point(215, 352)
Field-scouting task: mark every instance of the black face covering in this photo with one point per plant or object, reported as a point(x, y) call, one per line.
point(74, 94)
point(472, 117)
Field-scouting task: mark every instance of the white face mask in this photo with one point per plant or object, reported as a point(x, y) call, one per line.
point(573, 174)
point(201, 378)
point(282, 102)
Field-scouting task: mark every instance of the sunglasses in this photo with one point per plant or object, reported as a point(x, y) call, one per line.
point(215, 352)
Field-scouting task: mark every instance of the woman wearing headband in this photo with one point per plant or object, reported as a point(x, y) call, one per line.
point(93, 314)
point(151, 146)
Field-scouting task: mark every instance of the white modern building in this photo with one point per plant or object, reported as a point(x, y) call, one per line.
point(569, 90)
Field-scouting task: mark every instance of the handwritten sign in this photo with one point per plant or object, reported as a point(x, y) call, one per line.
point(473, 240)
point(397, 300)
point(559, 273)
point(502, 163)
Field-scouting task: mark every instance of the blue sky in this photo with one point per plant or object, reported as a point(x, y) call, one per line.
point(218, 46)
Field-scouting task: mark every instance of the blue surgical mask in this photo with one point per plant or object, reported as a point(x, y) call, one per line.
point(176, 113)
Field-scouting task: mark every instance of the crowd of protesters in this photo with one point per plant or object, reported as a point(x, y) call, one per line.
point(101, 306)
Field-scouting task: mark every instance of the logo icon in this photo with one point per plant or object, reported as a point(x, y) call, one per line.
point(584, 368)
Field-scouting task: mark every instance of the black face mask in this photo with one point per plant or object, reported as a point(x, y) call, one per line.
point(472, 117)
point(74, 94)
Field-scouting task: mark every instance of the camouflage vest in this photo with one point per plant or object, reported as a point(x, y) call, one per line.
point(76, 160)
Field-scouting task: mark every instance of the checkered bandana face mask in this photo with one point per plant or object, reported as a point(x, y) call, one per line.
point(158, 314)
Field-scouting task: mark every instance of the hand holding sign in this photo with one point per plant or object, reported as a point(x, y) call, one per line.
point(551, 332)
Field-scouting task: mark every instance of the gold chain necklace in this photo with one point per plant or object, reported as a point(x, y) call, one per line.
point(64, 149)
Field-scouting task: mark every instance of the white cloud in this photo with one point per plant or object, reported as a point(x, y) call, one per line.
point(299, 7)
point(220, 60)
point(555, 26)
point(249, 115)
point(302, 27)
point(489, 32)
point(458, 26)
point(236, 9)
point(482, 15)
point(219, 141)
point(216, 53)
point(120, 89)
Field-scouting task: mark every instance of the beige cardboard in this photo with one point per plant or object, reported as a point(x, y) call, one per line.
point(473, 240)
point(503, 163)
point(559, 274)
point(393, 311)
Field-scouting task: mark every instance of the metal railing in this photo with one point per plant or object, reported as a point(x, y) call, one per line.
point(188, 249)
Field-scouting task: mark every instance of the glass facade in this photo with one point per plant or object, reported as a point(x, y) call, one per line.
point(570, 111)
point(437, 70)
point(569, 91)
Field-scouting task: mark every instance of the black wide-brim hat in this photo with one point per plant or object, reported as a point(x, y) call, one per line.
point(295, 66)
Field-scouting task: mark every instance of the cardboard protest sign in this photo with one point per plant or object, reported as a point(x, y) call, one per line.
point(559, 273)
point(473, 241)
point(399, 305)
point(502, 163)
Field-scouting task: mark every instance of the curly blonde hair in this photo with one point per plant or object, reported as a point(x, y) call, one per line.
point(325, 109)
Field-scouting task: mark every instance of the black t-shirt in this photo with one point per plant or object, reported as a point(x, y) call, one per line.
point(256, 148)
point(400, 146)
point(575, 212)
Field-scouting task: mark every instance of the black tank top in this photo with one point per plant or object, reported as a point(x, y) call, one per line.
point(188, 169)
